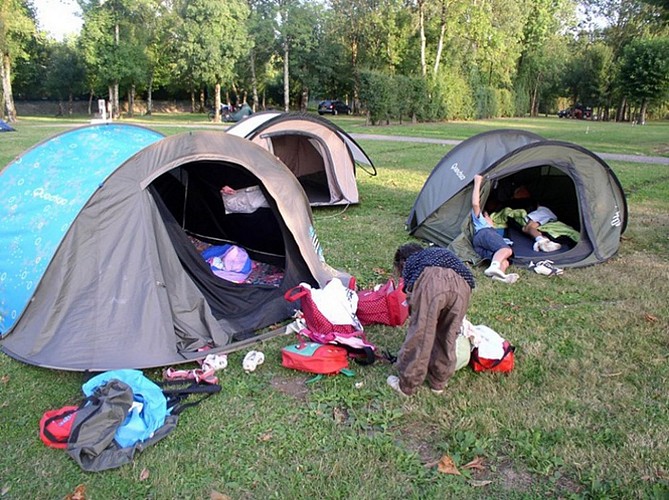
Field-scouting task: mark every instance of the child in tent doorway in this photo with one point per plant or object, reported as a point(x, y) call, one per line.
point(438, 287)
point(488, 243)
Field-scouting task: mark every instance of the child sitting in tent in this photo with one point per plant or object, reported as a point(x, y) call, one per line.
point(488, 243)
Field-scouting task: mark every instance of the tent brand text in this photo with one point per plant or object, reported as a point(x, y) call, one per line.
point(457, 171)
point(41, 193)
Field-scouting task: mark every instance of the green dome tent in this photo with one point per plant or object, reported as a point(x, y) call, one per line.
point(575, 183)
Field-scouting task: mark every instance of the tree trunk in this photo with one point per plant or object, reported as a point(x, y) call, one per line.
point(9, 109)
point(286, 83)
point(70, 105)
point(192, 100)
point(440, 43)
point(203, 107)
point(90, 102)
point(254, 81)
point(131, 101)
point(620, 112)
point(642, 112)
point(217, 103)
point(116, 106)
point(305, 99)
point(421, 24)
point(149, 96)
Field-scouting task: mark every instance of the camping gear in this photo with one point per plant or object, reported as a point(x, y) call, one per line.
point(575, 183)
point(504, 364)
point(355, 343)
point(55, 426)
point(123, 413)
point(320, 154)
point(101, 271)
point(331, 309)
point(312, 357)
point(385, 304)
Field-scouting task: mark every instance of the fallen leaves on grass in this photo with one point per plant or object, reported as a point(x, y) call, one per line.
point(446, 465)
point(478, 484)
point(650, 318)
point(477, 463)
point(144, 475)
point(4, 379)
point(267, 436)
point(79, 493)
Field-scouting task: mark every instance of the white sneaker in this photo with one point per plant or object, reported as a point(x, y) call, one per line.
point(252, 360)
point(546, 268)
point(394, 382)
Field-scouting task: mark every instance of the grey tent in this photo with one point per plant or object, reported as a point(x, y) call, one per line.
point(321, 155)
point(102, 228)
point(575, 183)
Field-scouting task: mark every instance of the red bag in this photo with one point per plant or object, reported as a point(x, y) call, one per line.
point(55, 426)
point(314, 318)
point(387, 305)
point(493, 365)
point(312, 357)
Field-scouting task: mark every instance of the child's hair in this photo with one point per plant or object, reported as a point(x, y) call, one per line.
point(403, 253)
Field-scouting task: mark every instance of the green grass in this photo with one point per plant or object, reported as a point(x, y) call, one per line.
point(583, 415)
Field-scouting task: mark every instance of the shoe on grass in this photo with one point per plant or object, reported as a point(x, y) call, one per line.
point(507, 278)
point(394, 382)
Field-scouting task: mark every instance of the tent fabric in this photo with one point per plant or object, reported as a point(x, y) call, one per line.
point(124, 287)
point(321, 155)
point(575, 183)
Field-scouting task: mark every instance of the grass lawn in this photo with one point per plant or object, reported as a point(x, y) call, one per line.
point(585, 413)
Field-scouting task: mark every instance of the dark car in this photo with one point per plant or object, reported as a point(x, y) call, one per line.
point(564, 113)
point(334, 107)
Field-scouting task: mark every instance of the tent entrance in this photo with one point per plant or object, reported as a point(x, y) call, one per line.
point(189, 201)
point(545, 185)
point(308, 159)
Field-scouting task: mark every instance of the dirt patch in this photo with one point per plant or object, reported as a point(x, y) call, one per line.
point(421, 443)
point(295, 387)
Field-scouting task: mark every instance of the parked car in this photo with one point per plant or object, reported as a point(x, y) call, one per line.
point(334, 107)
point(579, 112)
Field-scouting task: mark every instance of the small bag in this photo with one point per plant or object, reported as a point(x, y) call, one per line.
point(386, 305)
point(315, 319)
point(356, 344)
point(312, 357)
point(55, 426)
point(505, 364)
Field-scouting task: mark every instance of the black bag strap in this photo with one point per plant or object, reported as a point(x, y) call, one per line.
point(507, 350)
point(177, 396)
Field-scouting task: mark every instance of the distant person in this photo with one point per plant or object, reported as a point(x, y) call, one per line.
point(488, 243)
point(438, 287)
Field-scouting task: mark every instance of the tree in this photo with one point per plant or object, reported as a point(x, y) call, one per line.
point(65, 75)
point(17, 25)
point(210, 37)
point(644, 72)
